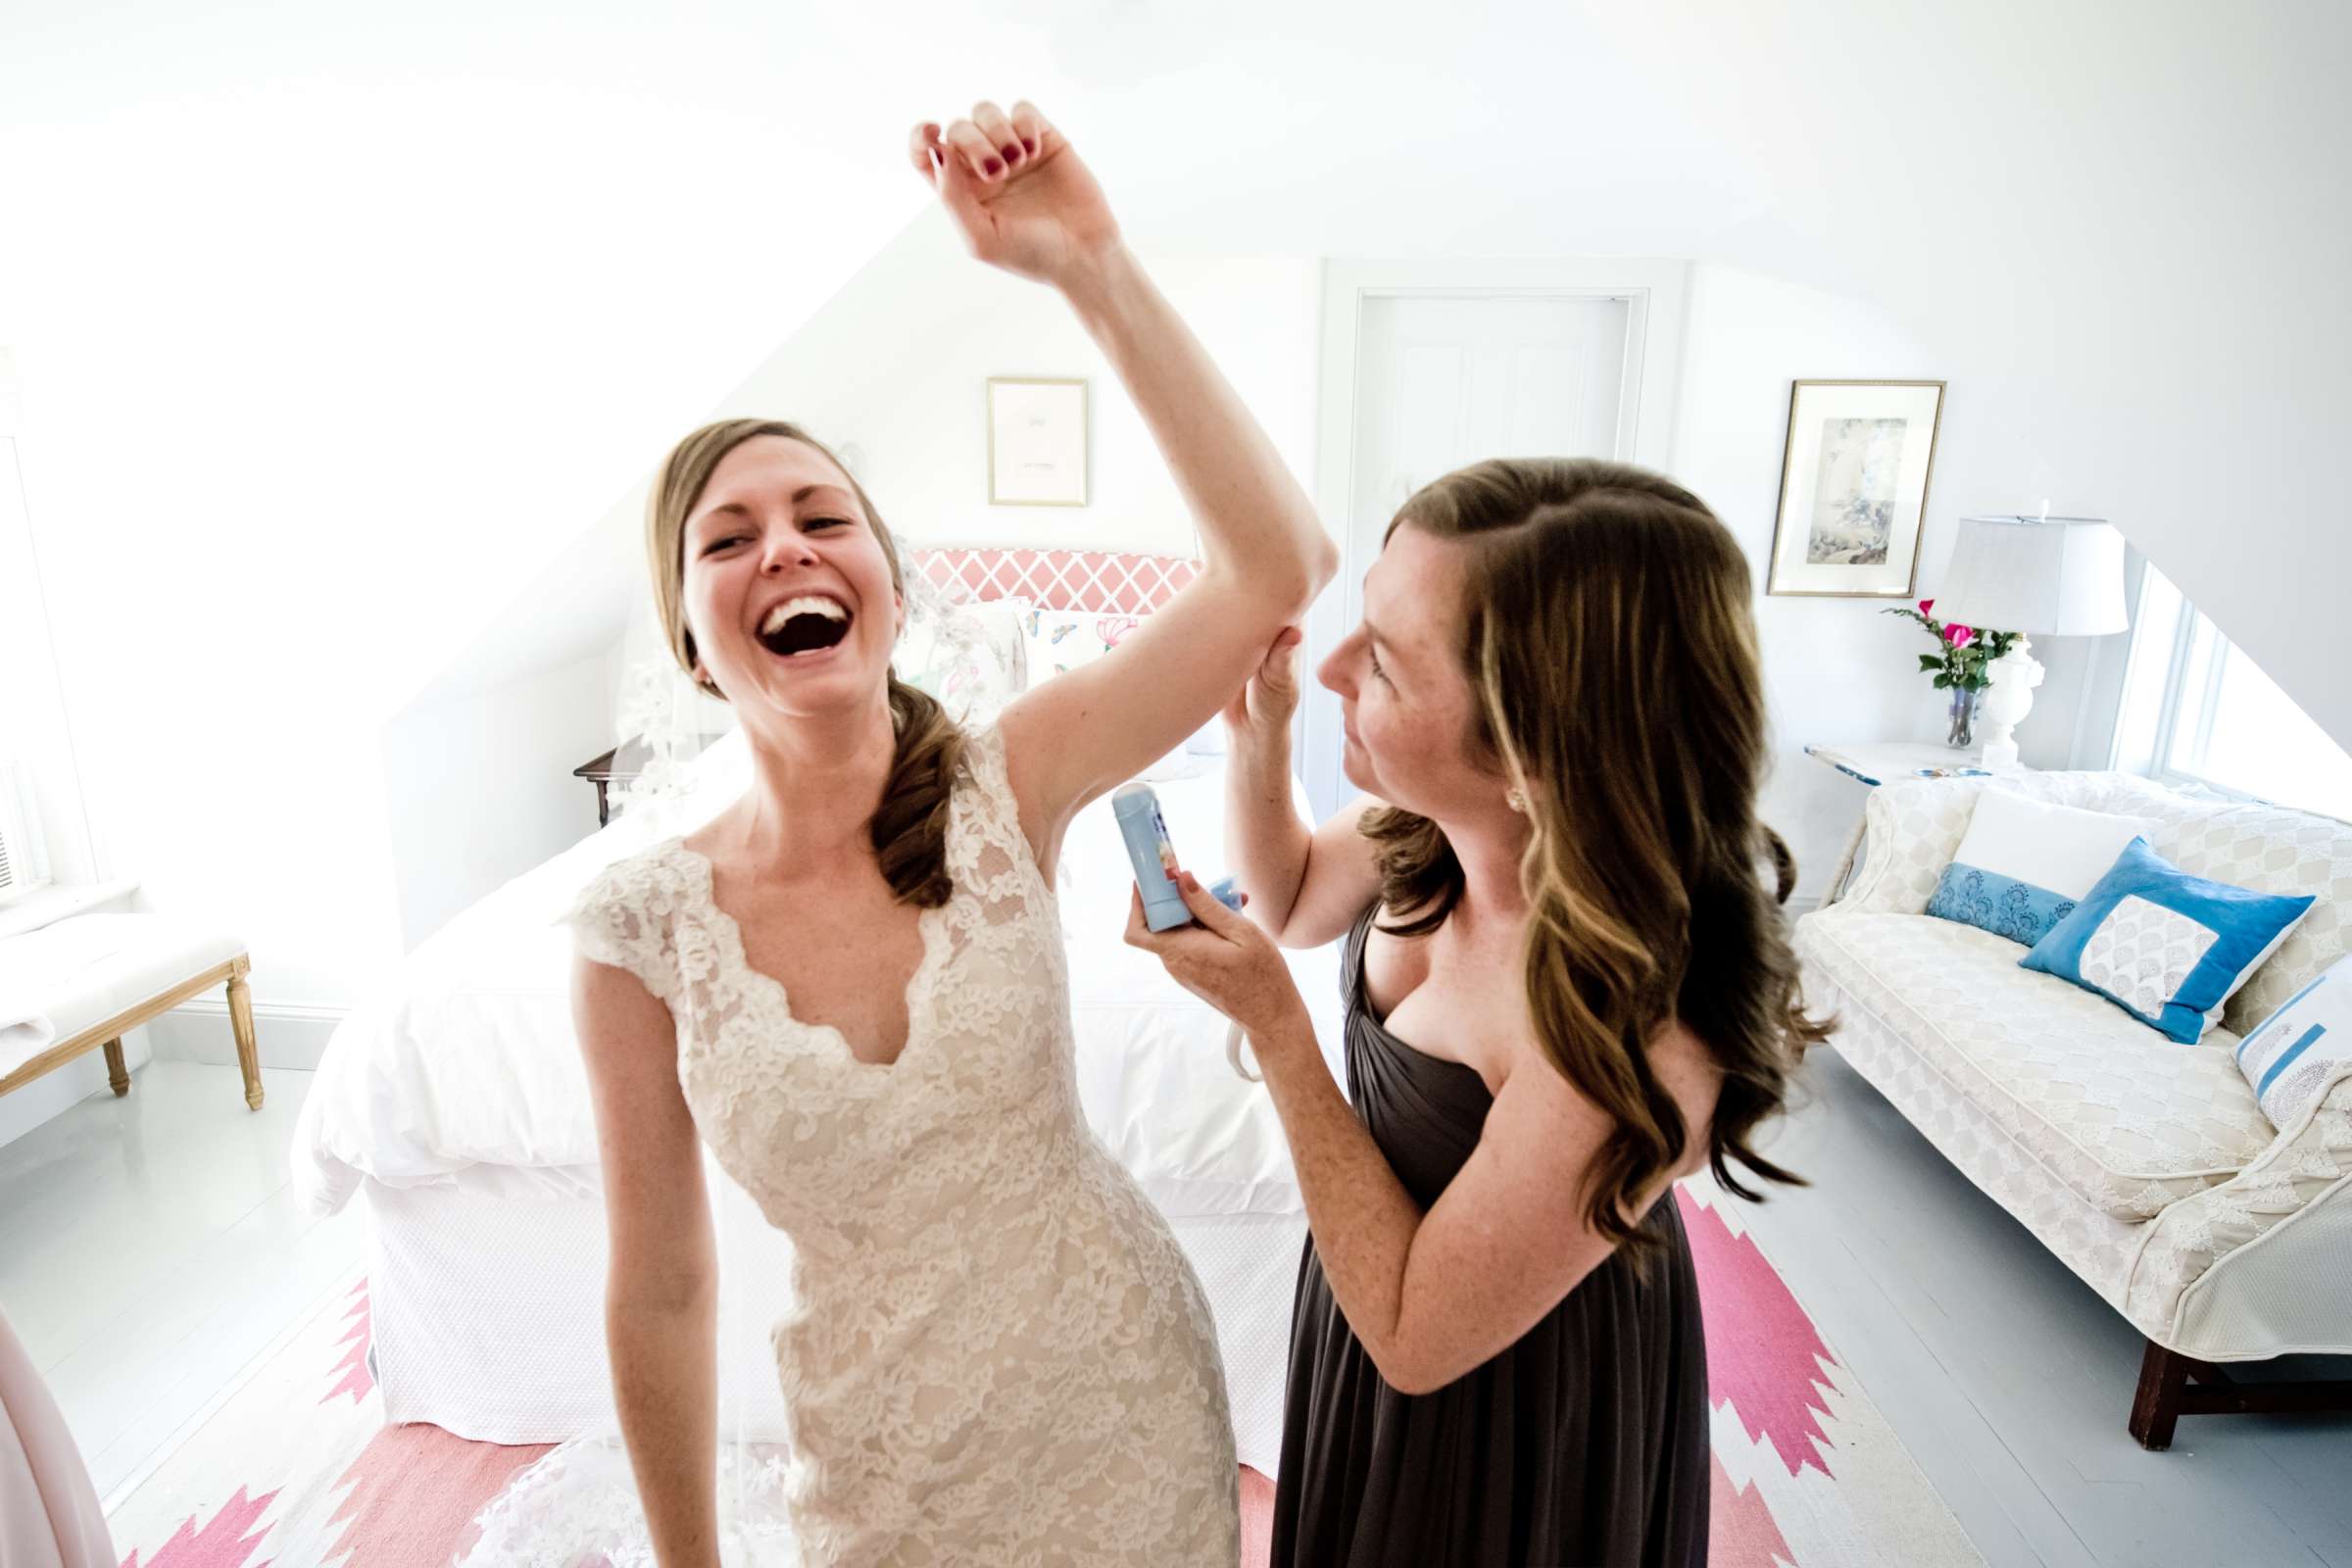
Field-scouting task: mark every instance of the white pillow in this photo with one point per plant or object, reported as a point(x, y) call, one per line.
point(2297, 1052)
point(2062, 849)
point(1060, 639)
point(972, 658)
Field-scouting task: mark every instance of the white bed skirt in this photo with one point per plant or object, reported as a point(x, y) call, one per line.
point(487, 1314)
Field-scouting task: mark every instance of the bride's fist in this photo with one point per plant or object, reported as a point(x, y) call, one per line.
point(1016, 191)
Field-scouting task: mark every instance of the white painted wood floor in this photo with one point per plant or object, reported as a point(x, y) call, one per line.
point(150, 1249)
point(2007, 1377)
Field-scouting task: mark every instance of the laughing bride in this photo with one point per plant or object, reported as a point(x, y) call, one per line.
point(851, 985)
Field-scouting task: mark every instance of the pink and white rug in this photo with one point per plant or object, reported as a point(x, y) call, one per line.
point(294, 1468)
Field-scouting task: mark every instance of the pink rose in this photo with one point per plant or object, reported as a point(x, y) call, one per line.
point(1926, 607)
point(1959, 636)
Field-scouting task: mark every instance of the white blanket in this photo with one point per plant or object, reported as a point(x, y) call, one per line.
point(466, 1070)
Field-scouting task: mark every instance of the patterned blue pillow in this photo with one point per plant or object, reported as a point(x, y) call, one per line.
point(2001, 905)
point(2166, 946)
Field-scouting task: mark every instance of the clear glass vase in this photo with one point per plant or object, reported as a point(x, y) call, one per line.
point(1963, 734)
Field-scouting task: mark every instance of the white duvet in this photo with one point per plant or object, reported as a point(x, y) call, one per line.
point(465, 1072)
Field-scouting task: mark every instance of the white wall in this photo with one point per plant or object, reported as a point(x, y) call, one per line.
point(335, 332)
point(332, 334)
point(34, 732)
point(1838, 670)
point(897, 366)
point(480, 786)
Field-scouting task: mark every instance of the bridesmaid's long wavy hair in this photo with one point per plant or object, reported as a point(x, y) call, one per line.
point(1611, 651)
point(910, 825)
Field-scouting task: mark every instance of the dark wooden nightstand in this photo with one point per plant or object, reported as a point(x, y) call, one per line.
point(616, 766)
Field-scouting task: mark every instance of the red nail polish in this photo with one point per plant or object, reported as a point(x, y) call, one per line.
point(1029, 145)
point(992, 167)
point(1012, 152)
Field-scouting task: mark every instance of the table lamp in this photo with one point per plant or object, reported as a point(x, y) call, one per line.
point(2036, 576)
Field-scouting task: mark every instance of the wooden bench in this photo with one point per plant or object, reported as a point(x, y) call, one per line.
point(96, 977)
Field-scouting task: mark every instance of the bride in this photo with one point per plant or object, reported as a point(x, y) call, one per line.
point(852, 986)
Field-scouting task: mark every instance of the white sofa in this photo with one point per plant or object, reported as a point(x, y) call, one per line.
point(2147, 1165)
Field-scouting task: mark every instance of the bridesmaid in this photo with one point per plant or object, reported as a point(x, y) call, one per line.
point(49, 1514)
point(1566, 986)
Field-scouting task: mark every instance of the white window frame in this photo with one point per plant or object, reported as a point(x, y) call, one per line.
point(2177, 655)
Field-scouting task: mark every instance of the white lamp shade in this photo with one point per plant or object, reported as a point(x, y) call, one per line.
point(2055, 576)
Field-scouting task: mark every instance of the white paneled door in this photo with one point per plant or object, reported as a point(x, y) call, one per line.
point(1443, 380)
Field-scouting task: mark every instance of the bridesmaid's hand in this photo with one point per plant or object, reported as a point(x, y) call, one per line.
point(1224, 960)
point(1265, 702)
point(1017, 192)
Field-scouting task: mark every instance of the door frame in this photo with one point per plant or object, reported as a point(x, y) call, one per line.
point(1655, 292)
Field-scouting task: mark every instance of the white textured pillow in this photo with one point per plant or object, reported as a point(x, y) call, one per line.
point(2304, 1046)
point(2062, 849)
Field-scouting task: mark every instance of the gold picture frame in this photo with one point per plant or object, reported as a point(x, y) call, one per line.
point(1037, 441)
point(1854, 475)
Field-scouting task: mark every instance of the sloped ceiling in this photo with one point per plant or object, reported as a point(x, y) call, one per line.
point(424, 293)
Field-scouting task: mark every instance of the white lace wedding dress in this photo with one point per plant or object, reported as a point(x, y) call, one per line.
point(997, 1352)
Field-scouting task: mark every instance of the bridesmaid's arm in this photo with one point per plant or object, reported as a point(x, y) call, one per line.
point(1433, 1296)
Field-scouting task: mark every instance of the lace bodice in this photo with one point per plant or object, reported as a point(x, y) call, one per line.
point(995, 1352)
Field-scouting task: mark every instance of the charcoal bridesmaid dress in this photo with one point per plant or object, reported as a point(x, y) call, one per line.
point(1585, 1442)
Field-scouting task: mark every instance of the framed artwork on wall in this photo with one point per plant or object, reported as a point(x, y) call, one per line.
point(1035, 442)
point(1854, 488)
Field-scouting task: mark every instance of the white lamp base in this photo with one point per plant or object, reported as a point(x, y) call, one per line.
point(2008, 697)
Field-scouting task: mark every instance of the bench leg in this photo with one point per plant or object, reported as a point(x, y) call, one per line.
point(118, 1076)
point(240, 1019)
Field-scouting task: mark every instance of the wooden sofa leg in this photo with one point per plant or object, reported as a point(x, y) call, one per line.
point(240, 1019)
point(118, 1076)
point(2156, 1407)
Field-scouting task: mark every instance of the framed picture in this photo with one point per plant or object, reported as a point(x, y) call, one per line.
point(1854, 488)
point(1035, 442)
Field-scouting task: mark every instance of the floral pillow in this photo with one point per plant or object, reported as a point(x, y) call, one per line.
point(971, 657)
point(1060, 639)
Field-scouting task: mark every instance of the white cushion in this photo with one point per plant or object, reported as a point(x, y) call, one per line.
point(2072, 1078)
point(2061, 848)
point(82, 971)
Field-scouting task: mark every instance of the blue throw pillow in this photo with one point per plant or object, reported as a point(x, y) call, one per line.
point(2001, 904)
point(2166, 946)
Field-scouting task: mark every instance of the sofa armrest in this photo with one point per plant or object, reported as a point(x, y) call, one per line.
point(2302, 1171)
point(1910, 831)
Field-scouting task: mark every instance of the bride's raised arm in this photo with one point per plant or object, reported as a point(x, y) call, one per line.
point(1023, 200)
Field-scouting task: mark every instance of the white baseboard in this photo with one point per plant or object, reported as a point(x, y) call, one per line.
point(287, 1034)
point(60, 1089)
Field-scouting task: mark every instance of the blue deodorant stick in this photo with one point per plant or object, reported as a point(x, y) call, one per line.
point(1154, 858)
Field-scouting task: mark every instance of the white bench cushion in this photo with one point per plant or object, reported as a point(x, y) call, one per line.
point(2129, 1120)
point(82, 971)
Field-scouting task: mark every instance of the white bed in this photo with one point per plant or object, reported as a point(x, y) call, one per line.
point(456, 1106)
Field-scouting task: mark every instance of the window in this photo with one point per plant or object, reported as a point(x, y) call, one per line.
point(2196, 710)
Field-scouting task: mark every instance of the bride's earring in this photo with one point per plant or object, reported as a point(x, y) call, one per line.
point(1516, 798)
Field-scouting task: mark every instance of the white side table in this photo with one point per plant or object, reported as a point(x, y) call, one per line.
point(1872, 764)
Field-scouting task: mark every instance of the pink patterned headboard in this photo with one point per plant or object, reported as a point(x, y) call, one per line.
point(1100, 581)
